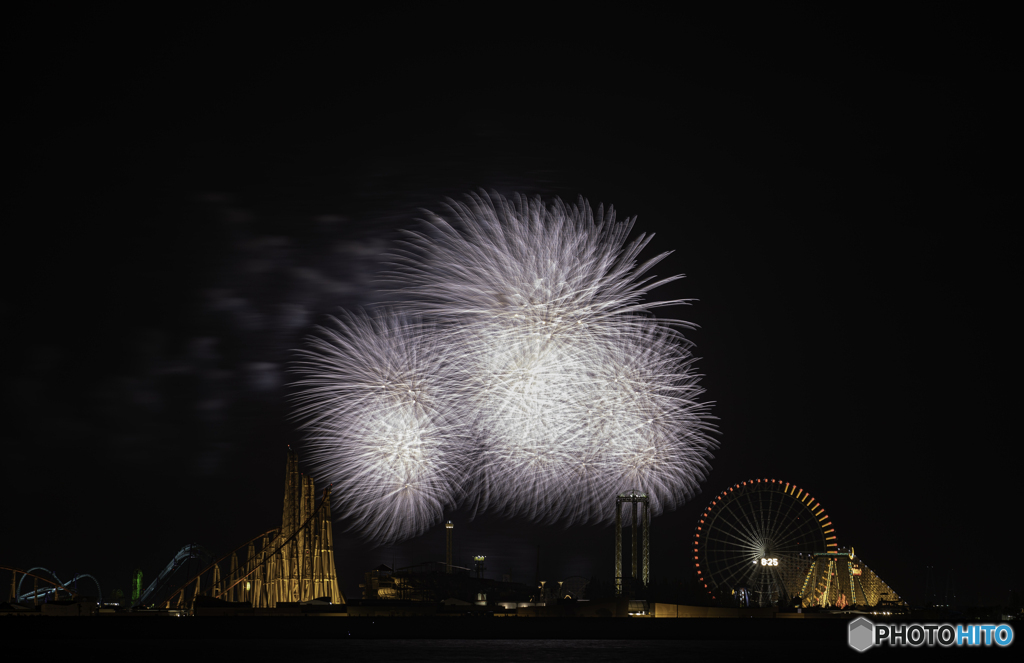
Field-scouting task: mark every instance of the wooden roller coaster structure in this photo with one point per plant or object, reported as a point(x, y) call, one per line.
point(294, 562)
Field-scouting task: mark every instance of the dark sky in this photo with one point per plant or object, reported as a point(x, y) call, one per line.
point(192, 194)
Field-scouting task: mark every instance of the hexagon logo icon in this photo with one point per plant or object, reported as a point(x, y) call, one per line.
point(862, 634)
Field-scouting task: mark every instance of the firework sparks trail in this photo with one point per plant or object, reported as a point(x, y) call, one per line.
point(546, 269)
point(575, 391)
point(381, 422)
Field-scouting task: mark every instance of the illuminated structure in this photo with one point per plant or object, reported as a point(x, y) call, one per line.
point(840, 580)
point(294, 562)
point(768, 542)
point(136, 586)
point(428, 582)
point(756, 540)
point(448, 527)
point(634, 497)
point(380, 584)
point(307, 554)
point(478, 564)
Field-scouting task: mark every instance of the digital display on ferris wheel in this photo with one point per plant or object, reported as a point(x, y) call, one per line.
point(769, 561)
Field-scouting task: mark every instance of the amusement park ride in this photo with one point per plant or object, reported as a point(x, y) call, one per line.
point(51, 590)
point(767, 542)
point(293, 563)
point(759, 543)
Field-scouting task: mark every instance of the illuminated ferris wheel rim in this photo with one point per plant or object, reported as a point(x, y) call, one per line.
point(751, 536)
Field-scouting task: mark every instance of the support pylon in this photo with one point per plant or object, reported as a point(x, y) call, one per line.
point(633, 539)
point(327, 532)
point(233, 578)
point(647, 546)
point(618, 547)
point(448, 528)
point(215, 587)
point(636, 499)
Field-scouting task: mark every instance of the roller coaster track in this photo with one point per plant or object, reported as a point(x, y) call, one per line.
point(291, 538)
point(186, 553)
point(55, 583)
point(218, 590)
point(217, 562)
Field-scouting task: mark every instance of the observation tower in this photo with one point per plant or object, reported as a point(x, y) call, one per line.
point(633, 497)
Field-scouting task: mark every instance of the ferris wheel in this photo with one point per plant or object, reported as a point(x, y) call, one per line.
point(755, 542)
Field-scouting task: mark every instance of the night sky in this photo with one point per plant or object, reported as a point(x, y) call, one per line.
point(192, 195)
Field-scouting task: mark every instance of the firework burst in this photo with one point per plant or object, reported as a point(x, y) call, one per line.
point(574, 390)
point(545, 270)
point(376, 403)
point(543, 385)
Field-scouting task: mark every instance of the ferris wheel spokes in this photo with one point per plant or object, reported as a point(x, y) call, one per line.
point(756, 540)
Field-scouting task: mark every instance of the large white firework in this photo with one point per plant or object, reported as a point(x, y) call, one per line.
point(377, 405)
point(574, 390)
point(522, 263)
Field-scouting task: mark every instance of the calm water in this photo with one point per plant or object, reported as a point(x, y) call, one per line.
point(495, 651)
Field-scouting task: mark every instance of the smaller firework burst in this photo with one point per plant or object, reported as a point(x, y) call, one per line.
point(376, 403)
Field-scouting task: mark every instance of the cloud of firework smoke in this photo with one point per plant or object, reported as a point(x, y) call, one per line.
point(561, 387)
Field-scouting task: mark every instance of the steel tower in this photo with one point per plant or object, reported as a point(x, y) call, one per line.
point(634, 497)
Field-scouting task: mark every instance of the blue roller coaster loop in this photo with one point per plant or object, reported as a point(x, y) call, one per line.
point(46, 592)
